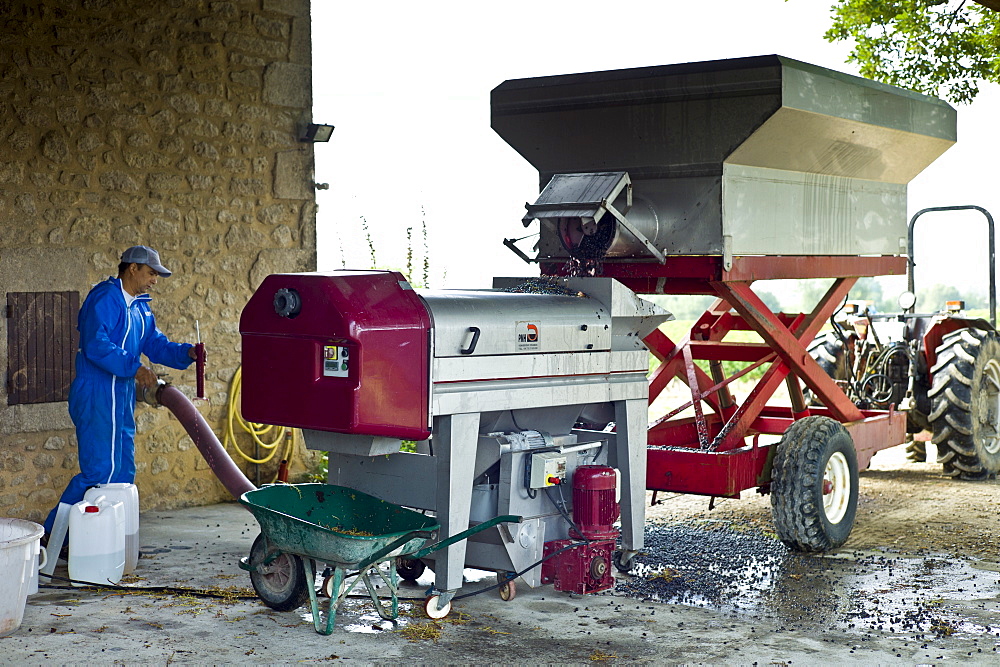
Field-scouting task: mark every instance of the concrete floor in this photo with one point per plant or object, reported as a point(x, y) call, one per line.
point(198, 549)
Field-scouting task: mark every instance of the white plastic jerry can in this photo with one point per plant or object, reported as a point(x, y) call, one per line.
point(97, 541)
point(129, 495)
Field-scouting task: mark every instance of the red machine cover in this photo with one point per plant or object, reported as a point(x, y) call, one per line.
point(352, 358)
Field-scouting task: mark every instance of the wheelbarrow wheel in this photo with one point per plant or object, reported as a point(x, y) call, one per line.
point(431, 608)
point(814, 488)
point(409, 569)
point(281, 584)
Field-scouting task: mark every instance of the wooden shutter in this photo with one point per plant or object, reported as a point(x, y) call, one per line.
point(41, 345)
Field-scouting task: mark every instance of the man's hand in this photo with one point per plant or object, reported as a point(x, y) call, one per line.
point(145, 377)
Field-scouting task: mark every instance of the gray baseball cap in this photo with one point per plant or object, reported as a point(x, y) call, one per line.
point(140, 254)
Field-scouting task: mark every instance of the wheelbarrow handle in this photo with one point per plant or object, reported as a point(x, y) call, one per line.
point(458, 537)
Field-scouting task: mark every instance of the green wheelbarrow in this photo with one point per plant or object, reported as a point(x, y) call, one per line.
point(350, 531)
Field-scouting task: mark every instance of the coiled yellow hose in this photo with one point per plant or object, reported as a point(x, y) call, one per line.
point(282, 433)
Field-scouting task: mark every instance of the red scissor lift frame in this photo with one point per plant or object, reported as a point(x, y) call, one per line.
point(708, 453)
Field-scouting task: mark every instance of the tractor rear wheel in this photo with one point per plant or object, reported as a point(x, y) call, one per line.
point(965, 400)
point(814, 485)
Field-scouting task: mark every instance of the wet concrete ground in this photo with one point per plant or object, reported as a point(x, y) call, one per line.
point(750, 574)
point(703, 592)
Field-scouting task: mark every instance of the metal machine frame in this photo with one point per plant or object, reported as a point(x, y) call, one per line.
point(707, 454)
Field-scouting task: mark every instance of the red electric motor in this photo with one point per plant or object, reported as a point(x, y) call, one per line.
point(595, 502)
point(586, 568)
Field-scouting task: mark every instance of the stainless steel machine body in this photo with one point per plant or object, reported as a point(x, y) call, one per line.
point(510, 374)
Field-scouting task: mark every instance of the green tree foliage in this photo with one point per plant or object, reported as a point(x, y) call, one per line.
point(932, 299)
point(769, 299)
point(937, 47)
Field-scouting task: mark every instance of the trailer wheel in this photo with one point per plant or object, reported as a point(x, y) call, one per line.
point(281, 584)
point(814, 485)
point(965, 395)
point(827, 351)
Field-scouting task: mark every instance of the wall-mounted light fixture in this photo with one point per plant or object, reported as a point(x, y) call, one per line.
point(317, 132)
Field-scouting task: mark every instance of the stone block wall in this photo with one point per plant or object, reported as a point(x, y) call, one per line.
point(173, 124)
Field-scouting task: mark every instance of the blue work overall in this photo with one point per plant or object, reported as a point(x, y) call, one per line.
point(113, 336)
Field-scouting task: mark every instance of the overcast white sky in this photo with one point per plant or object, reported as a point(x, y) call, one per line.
point(407, 85)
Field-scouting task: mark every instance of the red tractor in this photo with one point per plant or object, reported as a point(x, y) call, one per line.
point(943, 368)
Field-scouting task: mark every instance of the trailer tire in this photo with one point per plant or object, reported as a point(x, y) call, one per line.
point(281, 584)
point(965, 399)
point(827, 351)
point(816, 454)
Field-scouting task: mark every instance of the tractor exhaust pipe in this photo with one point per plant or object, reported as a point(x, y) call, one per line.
point(204, 438)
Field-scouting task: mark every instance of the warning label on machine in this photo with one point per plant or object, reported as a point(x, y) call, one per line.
point(527, 336)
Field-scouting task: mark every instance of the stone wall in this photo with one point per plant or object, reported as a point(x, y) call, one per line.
point(172, 124)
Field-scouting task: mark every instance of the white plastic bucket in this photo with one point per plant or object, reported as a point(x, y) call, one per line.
point(37, 562)
point(19, 541)
point(97, 541)
point(129, 495)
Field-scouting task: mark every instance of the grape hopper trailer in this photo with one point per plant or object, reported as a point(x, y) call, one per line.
point(701, 179)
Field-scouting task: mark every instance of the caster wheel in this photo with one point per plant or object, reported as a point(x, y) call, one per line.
point(431, 608)
point(326, 590)
point(507, 588)
point(621, 564)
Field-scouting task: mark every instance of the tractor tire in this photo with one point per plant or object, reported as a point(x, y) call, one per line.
point(814, 485)
point(827, 351)
point(917, 421)
point(916, 451)
point(965, 395)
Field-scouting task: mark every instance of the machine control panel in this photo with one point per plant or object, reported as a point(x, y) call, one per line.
point(335, 361)
point(547, 469)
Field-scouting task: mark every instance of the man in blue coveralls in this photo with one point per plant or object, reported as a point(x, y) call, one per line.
point(116, 327)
